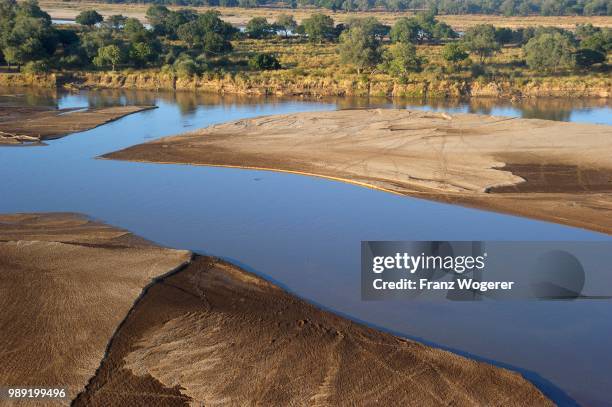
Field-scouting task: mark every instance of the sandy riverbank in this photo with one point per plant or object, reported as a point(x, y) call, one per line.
point(66, 283)
point(25, 124)
point(555, 171)
point(208, 333)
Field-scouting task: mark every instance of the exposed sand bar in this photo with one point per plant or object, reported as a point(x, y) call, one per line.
point(20, 124)
point(206, 334)
point(555, 171)
point(66, 283)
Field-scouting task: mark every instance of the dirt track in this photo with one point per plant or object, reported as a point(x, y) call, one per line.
point(555, 171)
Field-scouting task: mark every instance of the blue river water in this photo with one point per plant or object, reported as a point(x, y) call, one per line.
point(304, 233)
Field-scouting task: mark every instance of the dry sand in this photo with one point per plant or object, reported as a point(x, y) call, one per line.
point(222, 336)
point(207, 334)
point(555, 171)
point(65, 285)
point(20, 124)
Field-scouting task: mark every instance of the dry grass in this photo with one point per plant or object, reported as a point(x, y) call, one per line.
point(240, 16)
point(302, 59)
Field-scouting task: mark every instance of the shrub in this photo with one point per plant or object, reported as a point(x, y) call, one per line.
point(401, 59)
point(319, 27)
point(89, 18)
point(258, 27)
point(186, 67)
point(585, 58)
point(481, 41)
point(453, 53)
point(263, 62)
point(548, 52)
point(34, 67)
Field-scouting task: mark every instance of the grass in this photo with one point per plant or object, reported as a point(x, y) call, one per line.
point(239, 16)
point(301, 58)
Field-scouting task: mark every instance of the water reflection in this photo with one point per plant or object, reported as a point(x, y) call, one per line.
point(560, 109)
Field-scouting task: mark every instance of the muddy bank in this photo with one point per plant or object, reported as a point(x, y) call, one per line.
point(555, 171)
point(20, 124)
point(65, 285)
point(273, 83)
point(205, 333)
point(270, 83)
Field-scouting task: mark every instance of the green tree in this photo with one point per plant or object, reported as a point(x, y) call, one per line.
point(108, 55)
point(29, 39)
point(157, 16)
point(600, 41)
point(481, 41)
point(359, 47)
point(584, 31)
point(442, 31)
point(319, 27)
point(286, 22)
point(93, 40)
point(401, 59)
point(258, 27)
point(264, 61)
point(406, 30)
point(207, 33)
point(453, 53)
point(549, 52)
point(89, 18)
point(585, 58)
point(135, 31)
point(141, 53)
point(185, 66)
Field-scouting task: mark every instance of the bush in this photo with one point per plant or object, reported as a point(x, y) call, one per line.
point(481, 41)
point(89, 18)
point(258, 27)
point(35, 67)
point(587, 57)
point(477, 70)
point(548, 52)
point(263, 62)
point(401, 59)
point(186, 67)
point(319, 27)
point(453, 53)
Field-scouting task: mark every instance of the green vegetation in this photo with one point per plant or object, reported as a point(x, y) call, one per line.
point(481, 41)
point(549, 52)
point(89, 18)
point(318, 28)
point(184, 43)
point(264, 62)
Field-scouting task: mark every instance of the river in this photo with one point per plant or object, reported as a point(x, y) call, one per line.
point(304, 233)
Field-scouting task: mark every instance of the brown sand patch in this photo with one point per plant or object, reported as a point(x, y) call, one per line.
point(450, 158)
point(227, 337)
point(33, 124)
point(560, 178)
point(66, 283)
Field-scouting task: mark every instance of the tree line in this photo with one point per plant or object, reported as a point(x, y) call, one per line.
point(189, 43)
point(500, 7)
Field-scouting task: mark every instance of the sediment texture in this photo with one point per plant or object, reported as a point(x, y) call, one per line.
point(556, 171)
point(66, 283)
point(34, 124)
